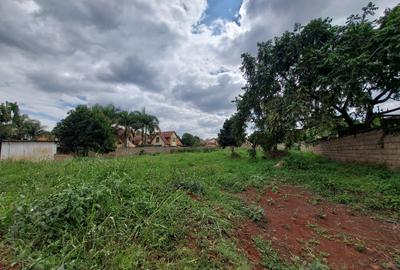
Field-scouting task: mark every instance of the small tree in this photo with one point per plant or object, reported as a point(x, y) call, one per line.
point(232, 133)
point(197, 141)
point(85, 130)
point(190, 140)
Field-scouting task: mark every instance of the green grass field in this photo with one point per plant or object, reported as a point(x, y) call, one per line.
point(167, 211)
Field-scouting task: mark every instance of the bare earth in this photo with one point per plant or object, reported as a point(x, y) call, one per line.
point(299, 224)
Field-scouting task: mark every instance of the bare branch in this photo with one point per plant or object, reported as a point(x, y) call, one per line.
point(385, 99)
point(388, 111)
point(376, 99)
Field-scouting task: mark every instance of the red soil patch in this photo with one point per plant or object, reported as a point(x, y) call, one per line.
point(194, 196)
point(4, 253)
point(301, 225)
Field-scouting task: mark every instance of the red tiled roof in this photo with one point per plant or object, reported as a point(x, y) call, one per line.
point(166, 135)
point(137, 140)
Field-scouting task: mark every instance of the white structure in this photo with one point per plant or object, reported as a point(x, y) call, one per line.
point(27, 150)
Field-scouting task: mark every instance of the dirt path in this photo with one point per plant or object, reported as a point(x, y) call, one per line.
point(299, 224)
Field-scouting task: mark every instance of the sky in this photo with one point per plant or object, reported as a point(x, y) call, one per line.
point(180, 59)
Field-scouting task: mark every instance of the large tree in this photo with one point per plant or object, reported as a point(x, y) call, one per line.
point(322, 77)
point(110, 111)
point(84, 130)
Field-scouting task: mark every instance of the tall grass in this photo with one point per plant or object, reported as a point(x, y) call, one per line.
point(168, 211)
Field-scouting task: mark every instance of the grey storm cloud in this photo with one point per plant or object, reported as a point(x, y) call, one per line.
point(133, 70)
point(50, 82)
point(141, 53)
point(100, 13)
point(265, 19)
point(212, 98)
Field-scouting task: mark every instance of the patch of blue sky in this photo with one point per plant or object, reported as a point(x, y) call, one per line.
point(225, 10)
point(221, 9)
point(72, 104)
point(34, 115)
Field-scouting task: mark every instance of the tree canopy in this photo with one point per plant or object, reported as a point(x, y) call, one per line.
point(17, 126)
point(85, 129)
point(322, 78)
point(132, 121)
point(190, 140)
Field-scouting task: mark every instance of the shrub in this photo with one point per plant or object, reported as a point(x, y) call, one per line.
point(256, 213)
point(252, 153)
point(193, 187)
point(235, 155)
point(69, 210)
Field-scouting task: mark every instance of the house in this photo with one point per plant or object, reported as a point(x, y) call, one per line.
point(211, 142)
point(166, 138)
point(120, 132)
point(45, 137)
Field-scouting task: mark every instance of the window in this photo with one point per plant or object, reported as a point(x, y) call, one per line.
point(157, 139)
point(173, 139)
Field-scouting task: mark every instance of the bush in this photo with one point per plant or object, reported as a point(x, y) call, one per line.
point(256, 213)
point(252, 153)
point(193, 187)
point(46, 220)
point(235, 155)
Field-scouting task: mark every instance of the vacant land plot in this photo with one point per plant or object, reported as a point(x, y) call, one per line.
point(198, 211)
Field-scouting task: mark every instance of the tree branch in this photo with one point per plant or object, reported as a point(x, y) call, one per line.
point(376, 99)
point(385, 99)
point(388, 111)
point(345, 115)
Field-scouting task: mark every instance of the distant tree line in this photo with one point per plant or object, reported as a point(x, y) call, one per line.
point(319, 79)
point(17, 126)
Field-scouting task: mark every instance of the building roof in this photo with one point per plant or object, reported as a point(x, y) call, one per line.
point(137, 140)
point(166, 135)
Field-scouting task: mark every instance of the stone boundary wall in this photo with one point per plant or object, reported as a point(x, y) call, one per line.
point(373, 147)
point(150, 150)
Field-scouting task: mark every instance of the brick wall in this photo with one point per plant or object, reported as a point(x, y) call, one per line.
point(148, 150)
point(373, 147)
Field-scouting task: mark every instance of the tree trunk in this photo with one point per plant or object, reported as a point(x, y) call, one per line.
point(233, 149)
point(126, 137)
point(369, 116)
point(346, 116)
point(145, 136)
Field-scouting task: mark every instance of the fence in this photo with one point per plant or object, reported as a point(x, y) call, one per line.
point(373, 147)
point(27, 150)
